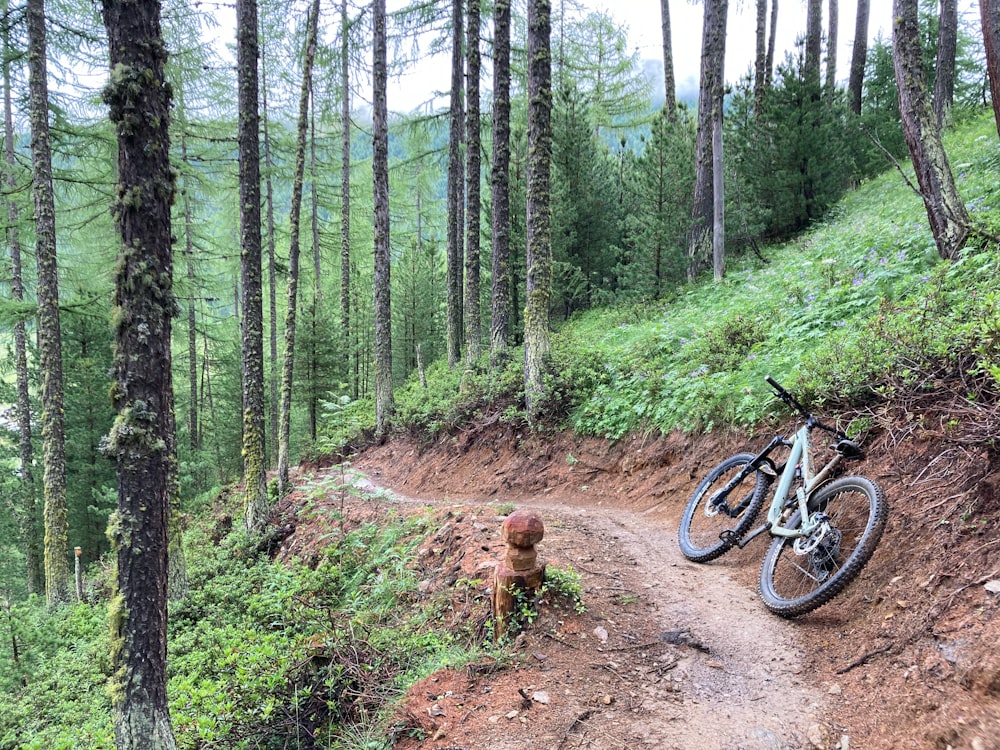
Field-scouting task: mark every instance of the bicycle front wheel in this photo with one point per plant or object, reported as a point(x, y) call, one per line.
point(712, 523)
point(799, 575)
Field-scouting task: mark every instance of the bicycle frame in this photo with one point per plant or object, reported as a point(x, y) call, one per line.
point(799, 456)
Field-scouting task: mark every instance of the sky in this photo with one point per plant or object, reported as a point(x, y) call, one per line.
point(641, 18)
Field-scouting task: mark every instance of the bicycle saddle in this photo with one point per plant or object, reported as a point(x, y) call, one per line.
point(848, 448)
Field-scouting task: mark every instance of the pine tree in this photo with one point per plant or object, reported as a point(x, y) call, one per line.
point(500, 184)
point(291, 309)
point(472, 318)
point(949, 220)
point(537, 342)
point(57, 588)
point(380, 176)
point(141, 440)
point(254, 456)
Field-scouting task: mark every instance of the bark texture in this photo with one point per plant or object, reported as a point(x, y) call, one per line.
point(537, 342)
point(272, 282)
point(473, 318)
point(713, 57)
point(294, 224)
point(814, 40)
point(859, 55)
point(345, 196)
point(761, 76)
point(832, 35)
point(35, 576)
point(141, 440)
point(500, 183)
point(669, 86)
point(944, 68)
point(56, 560)
point(989, 13)
point(455, 193)
point(254, 456)
point(380, 171)
point(946, 213)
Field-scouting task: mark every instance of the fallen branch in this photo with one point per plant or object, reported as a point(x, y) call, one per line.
point(864, 659)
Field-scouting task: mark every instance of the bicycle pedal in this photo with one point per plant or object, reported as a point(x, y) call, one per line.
point(729, 536)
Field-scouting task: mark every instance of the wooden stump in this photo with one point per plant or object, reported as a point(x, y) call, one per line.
point(521, 570)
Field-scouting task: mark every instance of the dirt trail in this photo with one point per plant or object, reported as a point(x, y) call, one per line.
point(696, 663)
point(674, 655)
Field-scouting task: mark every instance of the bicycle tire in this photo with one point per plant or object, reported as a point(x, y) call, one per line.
point(794, 583)
point(700, 528)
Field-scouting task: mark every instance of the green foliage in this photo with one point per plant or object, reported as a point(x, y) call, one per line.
point(261, 650)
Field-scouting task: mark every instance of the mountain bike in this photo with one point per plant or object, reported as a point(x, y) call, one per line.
point(823, 532)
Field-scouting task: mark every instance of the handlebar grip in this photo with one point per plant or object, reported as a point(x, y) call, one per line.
point(774, 384)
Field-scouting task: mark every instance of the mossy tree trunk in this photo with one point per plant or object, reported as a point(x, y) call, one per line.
point(859, 56)
point(538, 291)
point(454, 191)
point(713, 58)
point(500, 183)
point(272, 283)
point(251, 287)
point(473, 160)
point(380, 171)
point(141, 440)
point(946, 213)
point(294, 223)
point(28, 507)
point(989, 13)
point(57, 574)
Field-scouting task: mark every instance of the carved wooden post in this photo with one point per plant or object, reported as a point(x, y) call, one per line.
point(521, 569)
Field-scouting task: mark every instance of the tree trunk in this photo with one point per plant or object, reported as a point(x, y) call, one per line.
point(669, 87)
point(989, 13)
point(141, 440)
point(295, 213)
point(831, 48)
point(272, 283)
point(345, 198)
point(944, 76)
point(317, 297)
point(859, 56)
point(770, 40)
point(761, 76)
point(713, 57)
point(57, 575)
point(192, 334)
point(455, 198)
point(473, 318)
point(814, 40)
point(718, 194)
point(539, 216)
point(380, 170)
point(254, 456)
point(946, 213)
point(500, 184)
point(35, 576)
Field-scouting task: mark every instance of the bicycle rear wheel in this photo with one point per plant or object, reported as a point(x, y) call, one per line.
point(799, 575)
point(708, 516)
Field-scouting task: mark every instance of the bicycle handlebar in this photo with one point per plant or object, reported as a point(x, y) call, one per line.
point(791, 401)
point(785, 396)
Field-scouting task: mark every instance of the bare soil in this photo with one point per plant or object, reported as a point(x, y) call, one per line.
point(669, 654)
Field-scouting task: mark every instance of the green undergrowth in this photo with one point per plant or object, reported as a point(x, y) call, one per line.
point(858, 309)
point(262, 653)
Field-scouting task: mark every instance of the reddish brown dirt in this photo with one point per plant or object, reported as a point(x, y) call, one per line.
point(674, 655)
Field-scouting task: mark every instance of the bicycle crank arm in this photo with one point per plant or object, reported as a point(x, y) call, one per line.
point(730, 536)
